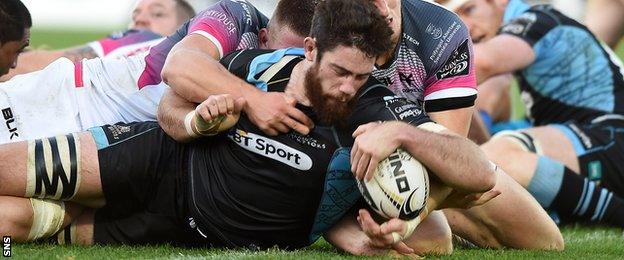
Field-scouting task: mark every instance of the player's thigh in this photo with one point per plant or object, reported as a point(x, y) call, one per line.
point(509, 155)
point(432, 236)
point(61, 168)
point(513, 219)
point(556, 144)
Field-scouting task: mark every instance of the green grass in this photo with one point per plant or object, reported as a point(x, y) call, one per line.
point(50, 39)
point(581, 242)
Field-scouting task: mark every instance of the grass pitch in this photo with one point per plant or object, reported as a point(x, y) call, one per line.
point(581, 242)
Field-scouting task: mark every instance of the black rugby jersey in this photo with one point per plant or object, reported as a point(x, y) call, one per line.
point(258, 191)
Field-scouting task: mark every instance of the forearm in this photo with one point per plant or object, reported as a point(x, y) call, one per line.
point(604, 18)
point(30, 61)
point(172, 111)
point(198, 77)
point(456, 161)
point(493, 57)
point(35, 60)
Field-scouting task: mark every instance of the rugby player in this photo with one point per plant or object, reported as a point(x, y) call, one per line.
point(14, 33)
point(571, 161)
point(151, 20)
point(427, 41)
point(243, 188)
point(68, 97)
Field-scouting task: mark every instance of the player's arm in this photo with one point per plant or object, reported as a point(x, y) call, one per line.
point(455, 120)
point(193, 72)
point(35, 60)
point(494, 58)
point(604, 18)
point(450, 93)
point(185, 121)
point(456, 161)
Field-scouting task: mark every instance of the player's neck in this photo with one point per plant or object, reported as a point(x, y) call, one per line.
point(396, 27)
point(296, 84)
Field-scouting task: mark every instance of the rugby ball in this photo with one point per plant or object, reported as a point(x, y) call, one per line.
point(399, 187)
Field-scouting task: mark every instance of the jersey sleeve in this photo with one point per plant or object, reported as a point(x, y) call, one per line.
point(238, 62)
point(531, 26)
point(378, 103)
point(226, 23)
point(125, 44)
point(452, 83)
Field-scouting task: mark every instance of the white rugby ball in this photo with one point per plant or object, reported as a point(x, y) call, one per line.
point(399, 187)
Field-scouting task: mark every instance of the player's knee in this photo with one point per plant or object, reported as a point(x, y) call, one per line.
point(552, 241)
point(502, 146)
point(47, 218)
point(14, 220)
point(433, 236)
point(557, 243)
point(436, 243)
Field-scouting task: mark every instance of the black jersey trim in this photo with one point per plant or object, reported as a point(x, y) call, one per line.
point(444, 104)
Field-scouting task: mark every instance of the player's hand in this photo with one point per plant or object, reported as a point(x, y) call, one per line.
point(373, 143)
point(275, 113)
point(381, 235)
point(462, 200)
point(219, 105)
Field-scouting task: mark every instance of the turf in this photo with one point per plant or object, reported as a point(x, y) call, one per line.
point(57, 39)
point(581, 242)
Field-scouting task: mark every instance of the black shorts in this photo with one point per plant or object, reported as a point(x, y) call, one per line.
point(143, 173)
point(600, 150)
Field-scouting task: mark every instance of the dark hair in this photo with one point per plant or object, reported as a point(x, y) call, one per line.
point(351, 23)
point(295, 14)
point(14, 19)
point(185, 10)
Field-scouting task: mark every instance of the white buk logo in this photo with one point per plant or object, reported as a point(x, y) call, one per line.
point(272, 149)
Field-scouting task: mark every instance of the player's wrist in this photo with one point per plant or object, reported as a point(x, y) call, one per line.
point(250, 94)
point(189, 124)
point(196, 126)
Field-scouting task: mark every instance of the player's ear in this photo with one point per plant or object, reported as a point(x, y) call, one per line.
point(382, 5)
point(309, 46)
point(263, 38)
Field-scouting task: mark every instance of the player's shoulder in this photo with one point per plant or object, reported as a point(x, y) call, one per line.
point(424, 17)
point(233, 10)
point(432, 31)
point(378, 103)
point(372, 89)
point(533, 23)
point(242, 57)
point(427, 7)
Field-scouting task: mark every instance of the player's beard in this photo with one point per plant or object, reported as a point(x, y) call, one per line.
point(329, 110)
